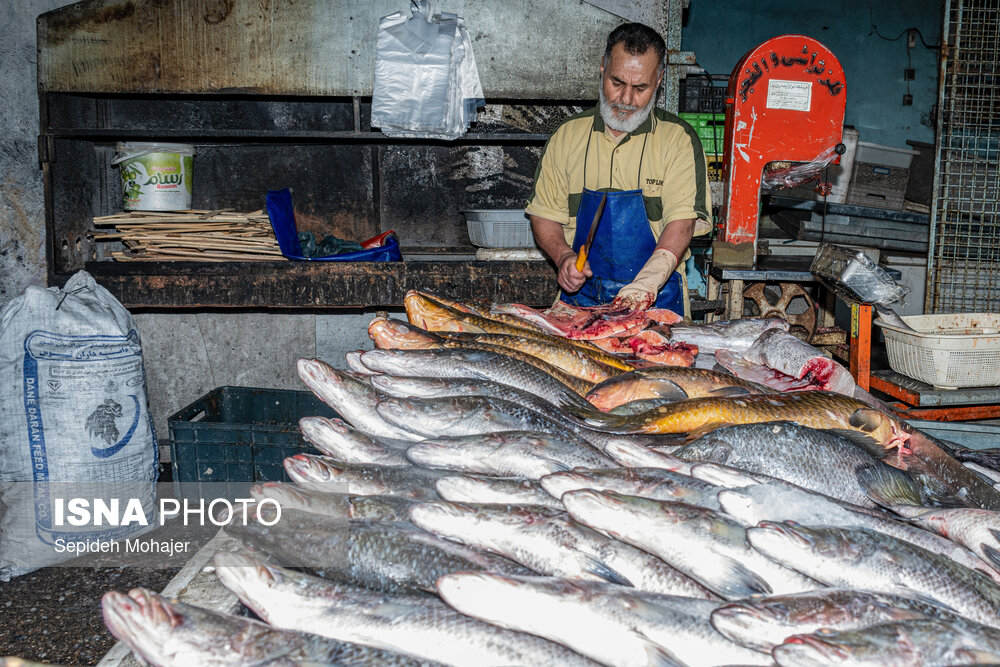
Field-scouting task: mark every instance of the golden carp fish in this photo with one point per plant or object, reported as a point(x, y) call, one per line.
point(397, 335)
point(669, 382)
point(433, 315)
point(816, 409)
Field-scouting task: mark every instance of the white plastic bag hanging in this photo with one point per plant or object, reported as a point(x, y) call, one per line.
point(426, 81)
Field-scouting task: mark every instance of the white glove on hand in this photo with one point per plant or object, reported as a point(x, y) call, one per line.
point(641, 293)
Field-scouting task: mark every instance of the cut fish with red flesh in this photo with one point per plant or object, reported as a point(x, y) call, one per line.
point(745, 370)
point(653, 346)
point(604, 327)
point(784, 352)
point(614, 345)
point(663, 316)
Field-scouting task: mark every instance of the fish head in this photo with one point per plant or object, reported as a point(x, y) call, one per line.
point(314, 429)
point(885, 430)
point(833, 544)
point(143, 620)
point(285, 495)
point(613, 392)
point(558, 483)
point(441, 515)
point(398, 335)
point(752, 620)
point(306, 468)
point(353, 359)
point(393, 362)
point(319, 376)
point(466, 590)
point(243, 575)
point(431, 315)
point(410, 386)
point(601, 510)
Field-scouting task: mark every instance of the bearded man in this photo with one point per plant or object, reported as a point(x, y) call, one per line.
point(649, 168)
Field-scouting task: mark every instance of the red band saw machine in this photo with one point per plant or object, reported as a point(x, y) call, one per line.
point(785, 104)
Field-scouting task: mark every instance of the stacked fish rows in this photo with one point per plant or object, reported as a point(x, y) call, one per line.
point(483, 504)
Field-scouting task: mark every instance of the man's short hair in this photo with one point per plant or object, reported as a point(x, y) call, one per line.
point(637, 39)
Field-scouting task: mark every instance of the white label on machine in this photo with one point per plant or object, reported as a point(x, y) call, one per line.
point(794, 95)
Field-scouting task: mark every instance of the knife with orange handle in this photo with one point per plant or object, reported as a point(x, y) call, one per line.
point(581, 257)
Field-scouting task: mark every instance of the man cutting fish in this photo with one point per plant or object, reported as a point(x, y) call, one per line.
point(636, 172)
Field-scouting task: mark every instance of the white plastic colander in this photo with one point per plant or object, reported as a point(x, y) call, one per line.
point(948, 351)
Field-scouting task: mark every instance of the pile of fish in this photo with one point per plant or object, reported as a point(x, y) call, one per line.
point(496, 494)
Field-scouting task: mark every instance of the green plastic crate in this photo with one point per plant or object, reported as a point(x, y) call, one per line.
point(710, 128)
point(236, 436)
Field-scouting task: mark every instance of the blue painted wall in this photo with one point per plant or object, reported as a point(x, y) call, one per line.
point(721, 31)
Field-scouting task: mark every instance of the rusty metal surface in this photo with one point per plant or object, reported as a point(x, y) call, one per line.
point(304, 47)
point(318, 285)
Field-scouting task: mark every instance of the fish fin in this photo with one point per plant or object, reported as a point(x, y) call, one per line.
point(557, 464)
point(888, 486)
point(730, 391)
point(740, 582)
point(703, 430)
point(669, 390)
point(865, 443)
point(604, 571)
point(992, 555)
point(658, 656)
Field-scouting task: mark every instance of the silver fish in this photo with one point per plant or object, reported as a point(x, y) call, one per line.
point(422, 627)
point(321, 473)
point(862, 558)
point(464, 415)
point(547, 541)
point(334, 505)
point(818, 460)
point(775, 500)
point(353, 399)
point(467, 363)
point(654, 483)
point(378, 555)
point(506, 454)
point(344, 443)
point(611, 624)
point(735, 335)
point(169, 633)
point(476, 489)
point(976, 529)
point(708, 546)
point(914, 643)
point(763, 623)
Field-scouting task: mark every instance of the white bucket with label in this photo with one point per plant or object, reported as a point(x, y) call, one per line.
point(155, 176)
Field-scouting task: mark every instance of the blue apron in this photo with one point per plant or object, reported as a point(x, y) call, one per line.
point(622, 244)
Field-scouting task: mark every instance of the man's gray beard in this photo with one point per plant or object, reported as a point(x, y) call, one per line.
point(631, 123)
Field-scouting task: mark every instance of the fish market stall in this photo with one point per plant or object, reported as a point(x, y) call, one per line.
point(497, 469)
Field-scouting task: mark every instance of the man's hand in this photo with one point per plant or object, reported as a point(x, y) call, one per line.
point(640, 294)
point(571, 280)
point(631, 299)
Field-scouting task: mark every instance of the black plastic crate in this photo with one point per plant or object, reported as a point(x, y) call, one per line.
point(697, 94)
point(236, 436)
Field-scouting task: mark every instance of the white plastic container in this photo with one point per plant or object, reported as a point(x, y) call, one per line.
point(155, 176)
point(499, 228)
point(947, 351)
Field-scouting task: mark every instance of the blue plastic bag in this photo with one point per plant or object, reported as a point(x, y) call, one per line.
point(282, 215)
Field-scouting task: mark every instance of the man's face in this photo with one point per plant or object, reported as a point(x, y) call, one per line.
point(629, 84)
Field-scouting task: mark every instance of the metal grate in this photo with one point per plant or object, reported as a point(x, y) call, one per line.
point(964, 262)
